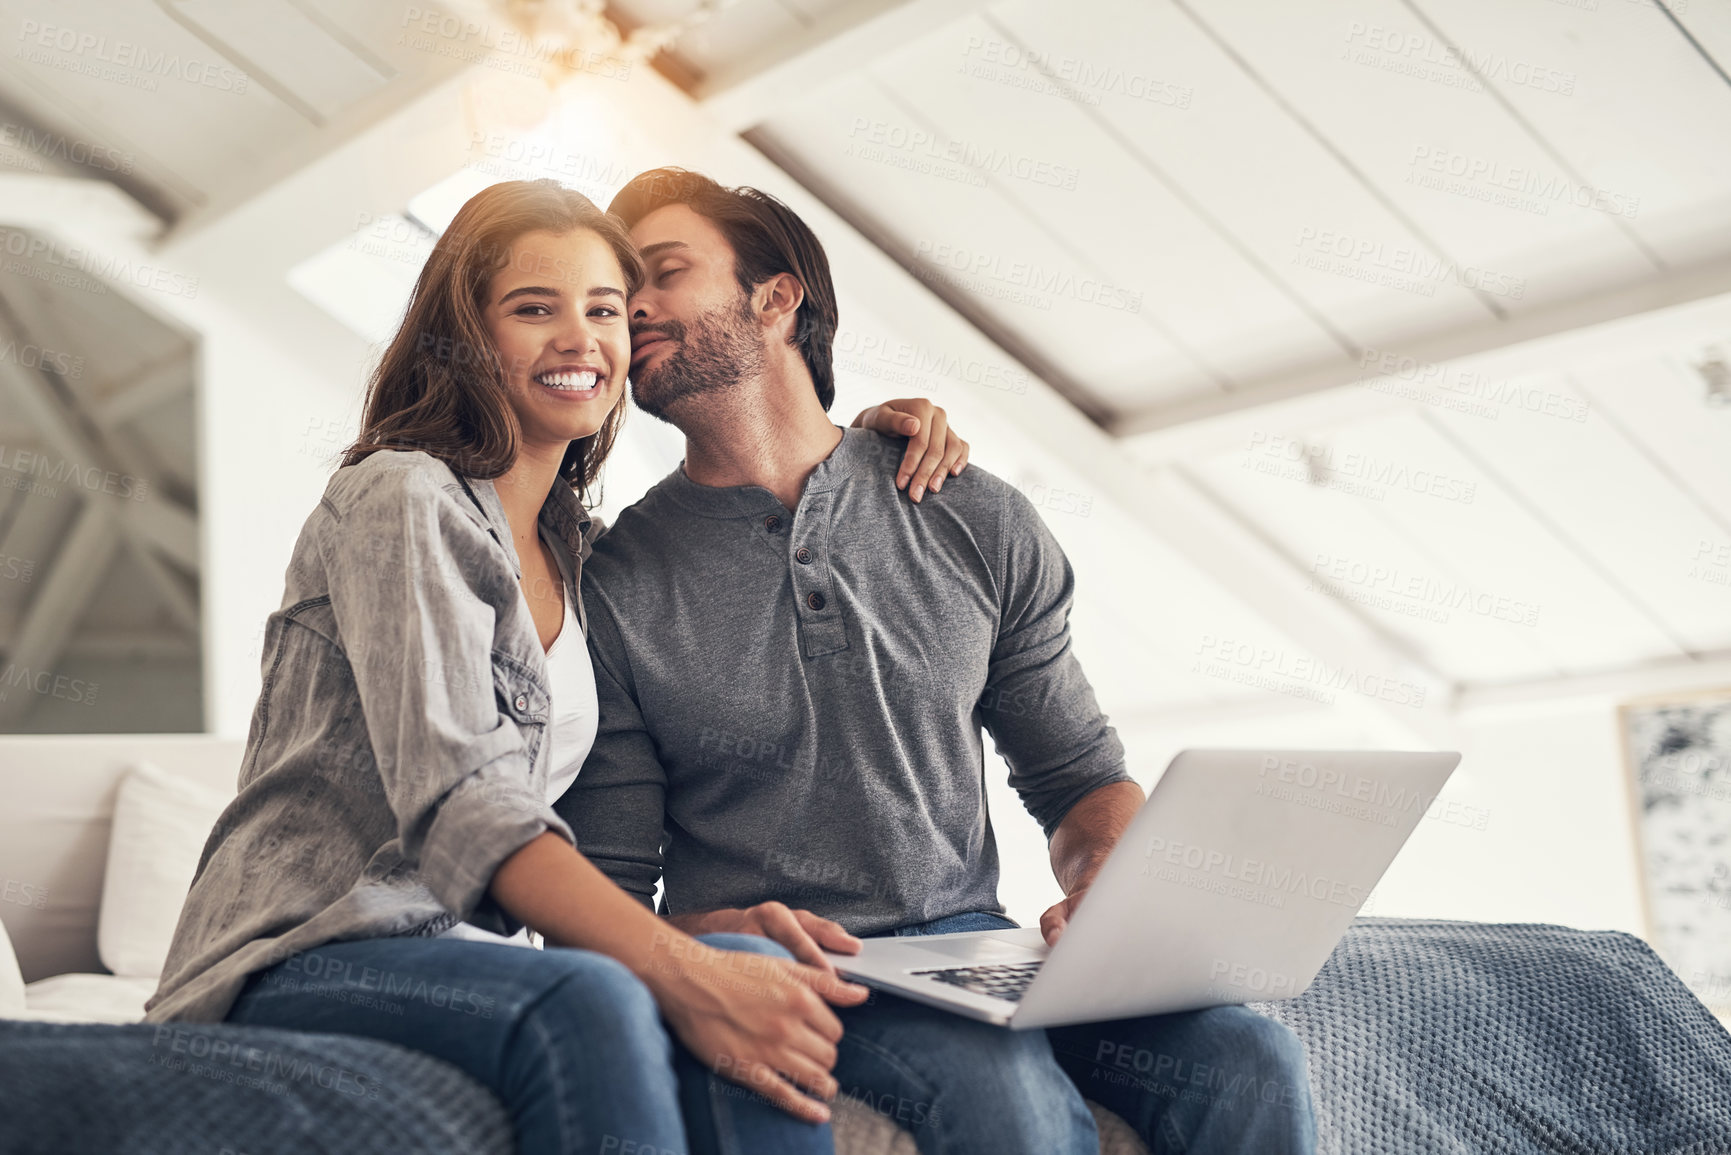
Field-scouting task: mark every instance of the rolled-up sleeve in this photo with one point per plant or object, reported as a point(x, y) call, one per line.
point(409, 574)
point(1038, 704)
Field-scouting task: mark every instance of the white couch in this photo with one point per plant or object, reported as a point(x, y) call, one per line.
point(55, 828)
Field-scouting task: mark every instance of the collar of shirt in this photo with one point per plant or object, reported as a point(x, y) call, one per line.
point(752, 500)
point(562, 512)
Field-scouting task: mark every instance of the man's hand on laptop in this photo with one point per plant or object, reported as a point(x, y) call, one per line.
point(1083, 842)
point(800, 931)
point(934, 451)
point(1058, 916)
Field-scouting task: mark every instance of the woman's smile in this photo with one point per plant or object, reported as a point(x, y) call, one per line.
point(573, 383)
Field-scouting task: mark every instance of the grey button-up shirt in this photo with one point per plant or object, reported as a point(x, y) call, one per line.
point(793, 702)
point(397, 751)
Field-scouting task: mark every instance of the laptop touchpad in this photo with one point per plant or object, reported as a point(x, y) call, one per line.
point(980, 949)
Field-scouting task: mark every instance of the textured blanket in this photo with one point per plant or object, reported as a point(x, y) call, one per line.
point(143, 1089)
point(1438, 1038)
point(1424, 1037)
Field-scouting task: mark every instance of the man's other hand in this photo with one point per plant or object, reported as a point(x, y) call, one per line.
point(800, 931)
point(1057, 917)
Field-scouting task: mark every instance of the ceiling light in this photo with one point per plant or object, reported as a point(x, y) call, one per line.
point(570, 36)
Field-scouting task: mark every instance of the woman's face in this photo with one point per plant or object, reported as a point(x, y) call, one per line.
point(556, 312)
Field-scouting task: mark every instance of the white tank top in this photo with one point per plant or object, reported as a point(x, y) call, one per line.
point(571, 729)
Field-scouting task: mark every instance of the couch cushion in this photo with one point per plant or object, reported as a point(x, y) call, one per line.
point(11, 981)
point(83, 998)
point(54, 828)
point(160, 826)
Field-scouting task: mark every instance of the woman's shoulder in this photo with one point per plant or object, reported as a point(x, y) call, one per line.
point(397, 501)
point(390, 478)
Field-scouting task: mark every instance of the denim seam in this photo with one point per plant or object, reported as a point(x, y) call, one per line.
point(894, 1062)
point(1174, 1136)
point(264, 695)
point(727, 1137)
point(567, 1126)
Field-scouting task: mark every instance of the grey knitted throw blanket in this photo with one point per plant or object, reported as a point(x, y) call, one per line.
point(145, 1089)
point(1461, 1038)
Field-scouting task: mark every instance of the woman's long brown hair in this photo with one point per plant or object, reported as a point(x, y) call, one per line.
point(441, 386)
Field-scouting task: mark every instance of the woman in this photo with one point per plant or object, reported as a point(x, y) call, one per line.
point(427, 696)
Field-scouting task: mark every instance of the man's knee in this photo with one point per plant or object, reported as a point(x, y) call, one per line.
point(1267, 1038)
point(1259, 1046)
point(600, 988)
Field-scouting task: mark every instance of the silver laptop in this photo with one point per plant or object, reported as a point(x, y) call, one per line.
point(1232, 885)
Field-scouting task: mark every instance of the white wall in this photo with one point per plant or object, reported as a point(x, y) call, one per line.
point(1534, 825)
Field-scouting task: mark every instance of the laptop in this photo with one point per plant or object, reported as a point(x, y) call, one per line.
point(1233, 884)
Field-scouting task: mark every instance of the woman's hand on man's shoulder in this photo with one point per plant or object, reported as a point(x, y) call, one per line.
point(934, 451)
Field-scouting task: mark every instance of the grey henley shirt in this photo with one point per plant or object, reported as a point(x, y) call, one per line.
point(791, 703)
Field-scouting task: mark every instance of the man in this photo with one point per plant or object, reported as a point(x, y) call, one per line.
point(794, 667)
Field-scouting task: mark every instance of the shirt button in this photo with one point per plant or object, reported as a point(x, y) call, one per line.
point(814, 600)
point(522, 702)
point(772, 523)
point(802, 555)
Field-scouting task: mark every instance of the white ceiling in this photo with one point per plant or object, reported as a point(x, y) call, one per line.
point(1255, 184)
point(202, 104)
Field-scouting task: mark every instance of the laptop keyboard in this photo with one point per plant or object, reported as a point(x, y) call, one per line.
point(999, 980)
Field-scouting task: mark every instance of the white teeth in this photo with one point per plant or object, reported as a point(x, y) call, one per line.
point(572, 381)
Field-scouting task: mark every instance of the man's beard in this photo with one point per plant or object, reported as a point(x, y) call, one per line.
point(715, 354)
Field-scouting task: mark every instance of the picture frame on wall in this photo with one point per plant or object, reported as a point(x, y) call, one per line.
point(1677, 754)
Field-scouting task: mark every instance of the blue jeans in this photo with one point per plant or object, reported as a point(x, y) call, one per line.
point(1220, 1080)
point(569, 1040)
